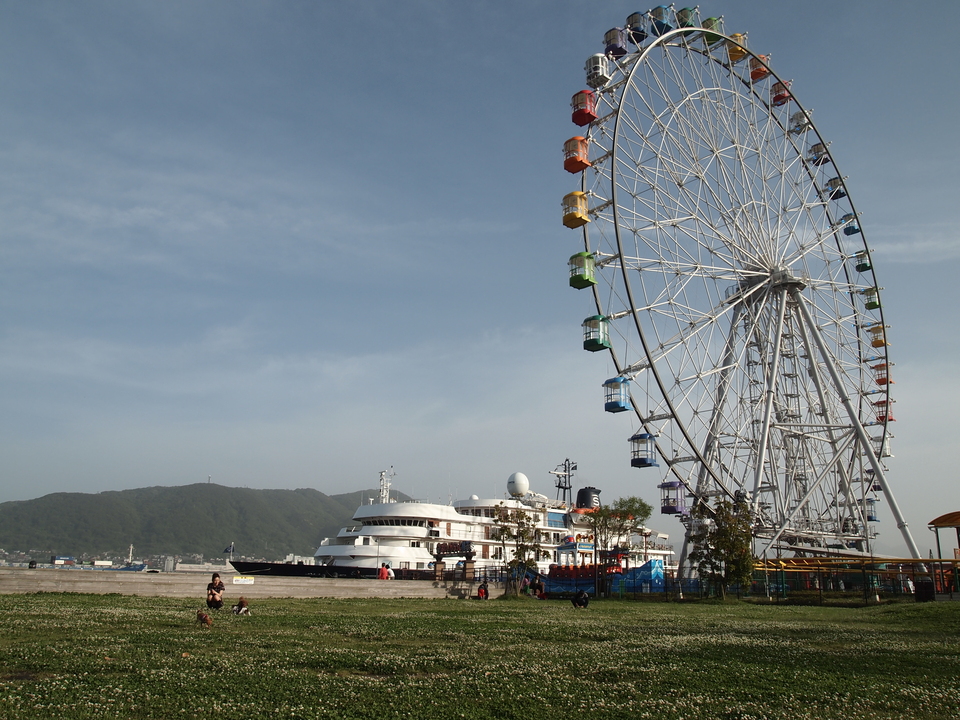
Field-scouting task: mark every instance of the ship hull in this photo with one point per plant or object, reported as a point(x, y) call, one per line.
point(291, 570)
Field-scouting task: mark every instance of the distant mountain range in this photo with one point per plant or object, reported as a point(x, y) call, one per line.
point(188, 519)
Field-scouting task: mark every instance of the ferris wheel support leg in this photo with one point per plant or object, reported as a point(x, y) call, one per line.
point(814, 487)
point(723, 388)
point(855, 420)
point(768, 403)
point(819, 382)
point(681, 574)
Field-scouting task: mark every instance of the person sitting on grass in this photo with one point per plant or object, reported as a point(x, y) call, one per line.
point(580, 600)
point(537, 588)
point(215, 592)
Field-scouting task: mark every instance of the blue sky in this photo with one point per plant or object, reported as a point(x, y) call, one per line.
point(290, 244)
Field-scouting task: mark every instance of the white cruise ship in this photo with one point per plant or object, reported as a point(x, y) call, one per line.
point(409, 536)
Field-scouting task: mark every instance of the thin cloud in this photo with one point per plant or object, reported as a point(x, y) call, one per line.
point(917, 244)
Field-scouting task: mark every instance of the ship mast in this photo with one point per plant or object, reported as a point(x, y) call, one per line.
point(385, 477)
point(564, 473)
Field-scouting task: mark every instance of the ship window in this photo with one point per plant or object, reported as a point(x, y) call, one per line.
point(414, 543)
point(420, 566)
point(555, 520)
point(366, 541)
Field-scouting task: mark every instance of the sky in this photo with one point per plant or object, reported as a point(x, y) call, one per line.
point(292, 244)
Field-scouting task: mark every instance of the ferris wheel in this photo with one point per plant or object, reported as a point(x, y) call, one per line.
point(734, 290)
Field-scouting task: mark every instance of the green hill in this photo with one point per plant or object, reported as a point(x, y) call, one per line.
point(189, 519)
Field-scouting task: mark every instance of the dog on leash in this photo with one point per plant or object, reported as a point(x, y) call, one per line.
point(204, 619)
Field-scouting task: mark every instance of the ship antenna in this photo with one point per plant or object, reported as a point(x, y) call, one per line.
point(564, 473)
point(385, 477)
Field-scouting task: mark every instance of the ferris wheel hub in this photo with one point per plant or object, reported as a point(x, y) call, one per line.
point(783, 277)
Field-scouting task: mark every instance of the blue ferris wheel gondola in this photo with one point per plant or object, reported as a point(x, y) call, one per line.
point(643, 450)
point(617, 395)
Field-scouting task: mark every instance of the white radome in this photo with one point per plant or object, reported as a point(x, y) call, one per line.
point(518, 484)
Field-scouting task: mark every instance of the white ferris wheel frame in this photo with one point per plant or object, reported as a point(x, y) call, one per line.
point(727, 284)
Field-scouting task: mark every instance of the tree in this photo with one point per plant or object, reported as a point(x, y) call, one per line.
point(517, 532)
point(612, 525)
point(721, 538)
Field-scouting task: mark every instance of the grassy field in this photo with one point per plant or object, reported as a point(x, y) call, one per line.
point(84, 656)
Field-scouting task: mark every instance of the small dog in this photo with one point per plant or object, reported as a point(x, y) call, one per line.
point(204, 619)
point(241, 608)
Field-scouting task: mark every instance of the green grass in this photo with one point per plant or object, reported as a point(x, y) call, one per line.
point(84, 656)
